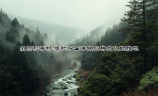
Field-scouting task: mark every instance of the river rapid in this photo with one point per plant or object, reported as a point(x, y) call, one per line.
point(64, 84)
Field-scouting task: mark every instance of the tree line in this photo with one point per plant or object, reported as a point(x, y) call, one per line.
point(126, 73)
point(25, 73)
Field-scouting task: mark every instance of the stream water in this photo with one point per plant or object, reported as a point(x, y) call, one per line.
point(65, 84)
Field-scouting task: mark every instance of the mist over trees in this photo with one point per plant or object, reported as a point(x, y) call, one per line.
point(104, 73)
point(25, 73)
point(63, 33)
point(110, 37)
point(127, 72)
point(89, 39)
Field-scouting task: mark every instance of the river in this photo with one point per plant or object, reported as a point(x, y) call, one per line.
point(65, 84)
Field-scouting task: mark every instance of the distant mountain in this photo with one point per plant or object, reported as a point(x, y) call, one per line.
point(64, 34)
point(95, 34)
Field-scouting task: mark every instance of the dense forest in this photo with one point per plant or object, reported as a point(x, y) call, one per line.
point(24, 73)
point(105, 73)
point(88, 39)
point(107, 38)
point(127, 73)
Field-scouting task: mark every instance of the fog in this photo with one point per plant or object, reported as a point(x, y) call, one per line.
point(50, 23)
point(64, 20)
point(85, 14)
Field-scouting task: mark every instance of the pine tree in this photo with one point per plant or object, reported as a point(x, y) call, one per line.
point(1, 20)
point(12, 35)
point(140, 25)
point(45, 36)
point(26, 40)
point(15, 23)
point(38, 33)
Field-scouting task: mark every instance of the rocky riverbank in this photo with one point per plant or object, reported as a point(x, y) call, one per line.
point(64, 84)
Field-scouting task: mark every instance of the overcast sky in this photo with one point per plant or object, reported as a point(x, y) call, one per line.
point(85, 14)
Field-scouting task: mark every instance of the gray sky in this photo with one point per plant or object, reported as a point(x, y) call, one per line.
point(85, 14)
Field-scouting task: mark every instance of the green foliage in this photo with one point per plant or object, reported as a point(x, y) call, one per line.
point(117, 72)
point(141, 27)
point(97, 85)
point(21, 73)
point(9, 87)
point(128, 73)
point(112, 36)
point(26, 40)
point(1, 21)
point(118, 82)
point(111, 56)
point(150, 79)
point(125, 69)
point(24, 72)
point(12, 35)
point(15, 23)
point(4, 21)
point(104, 68)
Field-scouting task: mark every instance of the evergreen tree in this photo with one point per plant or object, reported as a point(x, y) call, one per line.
point(38, 33)
point(15, 23)
point(32, 43)
point(26, 40)
point(45, 36)
point(12, 35)
point(1, 20)
point(141, 26)
point(24, 72)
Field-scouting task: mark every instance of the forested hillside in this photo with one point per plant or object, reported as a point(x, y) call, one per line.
point(110, 38)
point(52, 29)
point(102, 73)
point(89, 38)
point(127, 73)
point(24, 73)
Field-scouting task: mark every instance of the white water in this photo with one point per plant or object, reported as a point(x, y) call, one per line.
point(66, 80)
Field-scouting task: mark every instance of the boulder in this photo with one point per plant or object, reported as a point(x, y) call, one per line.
point(56, 88)
point(77, 79)
point(64, 79)
point(65, 93)
point(70, 78)
point(68, 82)
point(65, 87)
point(74, 76)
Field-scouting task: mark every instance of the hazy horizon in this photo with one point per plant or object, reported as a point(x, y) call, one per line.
point(84, 14)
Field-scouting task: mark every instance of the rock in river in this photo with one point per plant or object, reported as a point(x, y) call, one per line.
point(68, 82)
point(65, 93)
point(65, 87)
point(64, 79)
point(55, 87)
